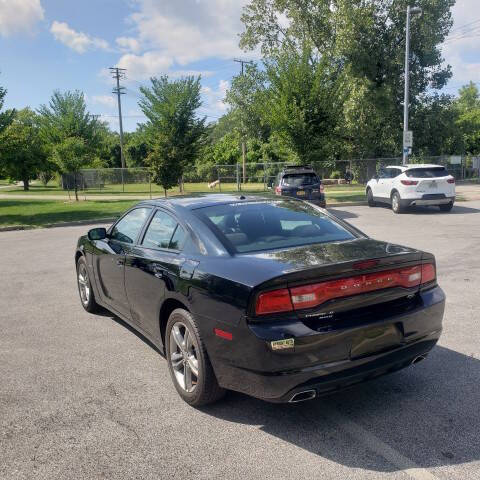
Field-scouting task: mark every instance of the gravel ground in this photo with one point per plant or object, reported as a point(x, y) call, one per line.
point(82, 396)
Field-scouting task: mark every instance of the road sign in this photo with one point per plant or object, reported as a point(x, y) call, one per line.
point(408, 139)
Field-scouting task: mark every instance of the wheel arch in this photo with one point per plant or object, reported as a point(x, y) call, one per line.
point(168, 306)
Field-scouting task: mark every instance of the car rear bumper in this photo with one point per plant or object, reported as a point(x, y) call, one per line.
point(331, 360)
point(315, 198)
point(433, 199)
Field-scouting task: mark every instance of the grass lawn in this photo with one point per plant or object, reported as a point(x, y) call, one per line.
point(333, 192)
point(37, 213)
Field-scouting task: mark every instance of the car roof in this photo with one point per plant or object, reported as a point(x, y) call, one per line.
point(415, 165)
point(191, 202)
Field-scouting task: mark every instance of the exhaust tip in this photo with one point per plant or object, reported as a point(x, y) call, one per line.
point(303, 396)
point(418, 359)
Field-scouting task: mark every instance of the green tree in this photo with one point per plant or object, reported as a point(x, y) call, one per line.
point(137, 147)
point(467, 106)
point(175, 133)
point(71, 155)
point(6, 117)
point(22, 151)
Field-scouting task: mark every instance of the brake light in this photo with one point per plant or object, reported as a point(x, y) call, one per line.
point(273, 302)
point(409, 182)
point(278, 190)
point(451, 180)
point(308, 296)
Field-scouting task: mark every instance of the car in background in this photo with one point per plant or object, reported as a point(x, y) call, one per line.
point(300, 182)
point(409, 185)
point(269, 296)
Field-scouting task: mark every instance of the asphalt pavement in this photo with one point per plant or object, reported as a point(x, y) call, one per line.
point(83, 397)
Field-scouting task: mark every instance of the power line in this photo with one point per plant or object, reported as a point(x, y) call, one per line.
point(117, 74)
point(243, 62)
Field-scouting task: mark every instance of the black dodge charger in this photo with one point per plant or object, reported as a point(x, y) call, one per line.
point(273, 297)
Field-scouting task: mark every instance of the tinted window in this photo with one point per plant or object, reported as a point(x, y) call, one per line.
point(160, 231)
point(394, 172)
point(178, 240)
point(128, 228)
point(299, 179)
point(432, 172)
point(266, 225)
point(383, 173)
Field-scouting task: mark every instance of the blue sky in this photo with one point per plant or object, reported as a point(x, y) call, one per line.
point(67, 44)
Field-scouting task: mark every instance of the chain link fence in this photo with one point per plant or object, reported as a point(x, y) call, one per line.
point(256, 177)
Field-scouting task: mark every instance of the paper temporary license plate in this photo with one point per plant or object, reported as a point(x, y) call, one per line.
point(301, 193)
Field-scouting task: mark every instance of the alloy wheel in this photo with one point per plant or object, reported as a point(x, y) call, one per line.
point(83, 284)
point(183, 357)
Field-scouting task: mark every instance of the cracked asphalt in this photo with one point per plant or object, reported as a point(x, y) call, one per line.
point(83, 397)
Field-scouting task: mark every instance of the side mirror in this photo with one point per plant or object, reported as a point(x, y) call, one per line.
point(97, 233)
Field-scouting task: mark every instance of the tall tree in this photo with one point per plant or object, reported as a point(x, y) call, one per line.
point(22, 151)
point(6, 117)
point(174, 131)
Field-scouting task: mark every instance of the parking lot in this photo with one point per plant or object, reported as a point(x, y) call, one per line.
point(82, 397)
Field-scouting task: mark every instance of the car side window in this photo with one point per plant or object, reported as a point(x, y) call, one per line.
point(383, 173)
point(164, 232)
point(127, 229)
point(395, 172)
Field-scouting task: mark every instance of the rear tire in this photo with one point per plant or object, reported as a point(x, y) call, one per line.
point(396, 203)
point(188, 362)
point(87, 297)
point(371, 202)
point(446, 207)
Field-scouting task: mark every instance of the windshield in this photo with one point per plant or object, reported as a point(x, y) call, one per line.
point(266, 225)
point(299, 179)
point(430, 172)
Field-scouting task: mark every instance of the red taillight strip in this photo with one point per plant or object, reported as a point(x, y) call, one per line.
point(308, 296)
point(223, 334)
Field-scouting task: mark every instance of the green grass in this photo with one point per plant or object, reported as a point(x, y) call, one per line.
point(336, 192)
point(38, 213)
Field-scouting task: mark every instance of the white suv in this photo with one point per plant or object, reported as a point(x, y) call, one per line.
point(417, 184)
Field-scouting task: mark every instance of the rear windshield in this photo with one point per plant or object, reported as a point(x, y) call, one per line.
point(266, 225)
point(431, 172)
point(299, 179)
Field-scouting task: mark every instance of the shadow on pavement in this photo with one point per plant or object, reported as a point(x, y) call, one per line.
point(429, 413)
point(457, 209)
point(343, 214)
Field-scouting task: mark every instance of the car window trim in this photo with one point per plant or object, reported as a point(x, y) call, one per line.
point(149, 221)
point(136, 207)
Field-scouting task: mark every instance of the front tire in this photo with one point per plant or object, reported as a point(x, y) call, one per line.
point(188, 362)
point(371, 202)
point(87, 297)
point(446, 207)
point(396, 203)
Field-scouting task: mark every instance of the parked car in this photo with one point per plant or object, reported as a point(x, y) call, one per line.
point(300, 182)
point(275, 298)
point(409, 185)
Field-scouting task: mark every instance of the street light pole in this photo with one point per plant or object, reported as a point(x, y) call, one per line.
point(410, 11)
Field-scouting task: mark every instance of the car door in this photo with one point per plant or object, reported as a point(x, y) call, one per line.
point(110, 259)
point(154, 267)
point(379, 184)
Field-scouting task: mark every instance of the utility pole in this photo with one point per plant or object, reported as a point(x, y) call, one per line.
point(118, 73)
point(244, 146)
point(410, 11)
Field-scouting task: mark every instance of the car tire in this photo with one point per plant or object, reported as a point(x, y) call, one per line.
point(446, 207)
point(396, 203)
point(188, 362)
point(85, 290)
point(371, 202)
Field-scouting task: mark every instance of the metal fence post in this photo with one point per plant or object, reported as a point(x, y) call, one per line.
point(238, 177)
point(150, 183)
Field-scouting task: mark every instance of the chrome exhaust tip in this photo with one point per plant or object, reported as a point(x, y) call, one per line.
point(303, 396)
point(418, 359)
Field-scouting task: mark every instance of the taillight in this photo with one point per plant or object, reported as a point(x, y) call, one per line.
point(308, 296)
point(273, 302)
point(428, 273)
point(409, 182)
point(451, 180)
point(278, 190)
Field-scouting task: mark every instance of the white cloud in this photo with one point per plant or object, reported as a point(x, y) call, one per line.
point(141, 67)
point(461, 47)
point(128, 44)
point(213, 100)
point(78, 41)
point(105, 100)
point(19, 16)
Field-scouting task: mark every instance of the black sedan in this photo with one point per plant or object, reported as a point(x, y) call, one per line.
point(273, 297)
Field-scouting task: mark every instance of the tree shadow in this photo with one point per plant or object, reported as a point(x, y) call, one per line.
point(456, 210)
